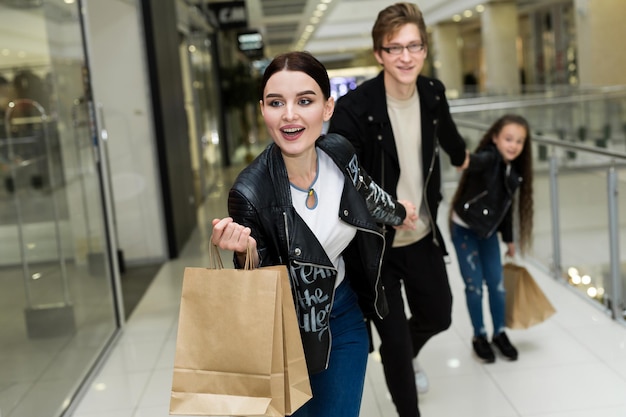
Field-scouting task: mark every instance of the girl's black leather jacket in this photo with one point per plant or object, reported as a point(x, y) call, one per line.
point(484, 204)
point(261, 199)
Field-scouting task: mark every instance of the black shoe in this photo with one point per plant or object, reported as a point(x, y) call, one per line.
point(483, 349)
point(504, 345)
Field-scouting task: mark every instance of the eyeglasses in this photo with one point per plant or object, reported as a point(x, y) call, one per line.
point(413, 48)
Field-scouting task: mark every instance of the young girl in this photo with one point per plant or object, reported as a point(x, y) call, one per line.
point(483, 205)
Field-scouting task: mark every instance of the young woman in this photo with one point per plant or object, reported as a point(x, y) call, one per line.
point(306, 203)
point(483, 205)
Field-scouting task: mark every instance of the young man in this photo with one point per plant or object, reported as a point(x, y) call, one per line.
point(397, 123)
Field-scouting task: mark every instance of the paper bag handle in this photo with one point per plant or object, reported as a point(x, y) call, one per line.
point(510, 259)
point(215, 259)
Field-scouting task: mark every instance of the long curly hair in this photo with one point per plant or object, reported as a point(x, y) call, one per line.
point(523, 164)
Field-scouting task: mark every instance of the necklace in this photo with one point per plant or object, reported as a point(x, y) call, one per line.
point(311, 195)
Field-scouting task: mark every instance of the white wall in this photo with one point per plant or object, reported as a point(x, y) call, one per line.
point(119, 78)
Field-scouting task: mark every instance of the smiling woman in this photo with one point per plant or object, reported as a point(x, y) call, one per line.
point(294, 119)
point(330, 241)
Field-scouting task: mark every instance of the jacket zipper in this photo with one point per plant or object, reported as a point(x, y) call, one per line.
point(502, 214)
point(286, 229)
point(380, 265)
point(433, 226)
point(382, 185)
point(508, 204)
point(476, 198)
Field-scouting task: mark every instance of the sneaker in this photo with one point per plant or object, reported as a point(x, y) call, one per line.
point(483, 349)
point(504, 345)
point(421, 379)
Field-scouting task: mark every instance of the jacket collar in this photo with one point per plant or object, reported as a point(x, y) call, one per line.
point(429, 95)
point(279, 175)
point(379, 100)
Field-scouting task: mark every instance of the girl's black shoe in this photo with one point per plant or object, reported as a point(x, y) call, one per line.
point(483, 349)
point(504, 345)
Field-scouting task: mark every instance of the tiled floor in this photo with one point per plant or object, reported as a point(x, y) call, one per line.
point(573, 365)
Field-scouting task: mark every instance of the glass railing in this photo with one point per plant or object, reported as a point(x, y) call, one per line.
point(579, 186)
point(594, 117)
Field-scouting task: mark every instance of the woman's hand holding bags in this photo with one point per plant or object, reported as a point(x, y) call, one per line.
point(238, 347)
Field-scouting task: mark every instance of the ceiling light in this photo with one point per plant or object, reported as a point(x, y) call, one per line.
point(322, 7)
point(456, 17)
point(468, 13)
point(480, 8)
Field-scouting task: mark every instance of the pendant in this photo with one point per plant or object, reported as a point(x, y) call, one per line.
point(311, 199)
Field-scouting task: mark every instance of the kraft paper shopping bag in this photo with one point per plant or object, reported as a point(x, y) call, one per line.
point(526, 303)
point(238, 347)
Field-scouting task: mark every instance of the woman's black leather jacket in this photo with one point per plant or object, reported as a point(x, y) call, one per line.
point(261, 199)
point(484, 203)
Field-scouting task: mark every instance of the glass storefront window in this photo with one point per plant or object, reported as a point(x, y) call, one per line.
point(57, 309)
point(197, 56)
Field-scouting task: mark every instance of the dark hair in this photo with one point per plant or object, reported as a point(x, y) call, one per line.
point(392, 18)
point(298, 61)
point(523, 164)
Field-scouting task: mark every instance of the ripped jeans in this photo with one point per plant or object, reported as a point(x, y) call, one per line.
point(480, 262)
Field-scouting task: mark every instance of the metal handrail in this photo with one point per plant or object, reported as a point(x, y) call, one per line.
point(546, 98)
point(549, 140)
point(472, 106)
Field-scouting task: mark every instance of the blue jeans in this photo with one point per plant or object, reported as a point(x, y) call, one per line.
point(337, 391)
point(480, 262)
